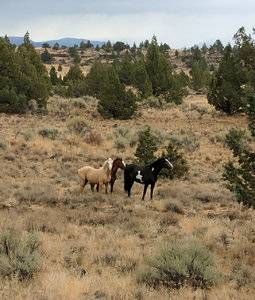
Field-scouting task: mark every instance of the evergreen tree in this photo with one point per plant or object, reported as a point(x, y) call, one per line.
point(54, 76)
point(180, 164)
point(119, 46)
point(147, 146)
point(240, 175)
point(142, 81)
point(46, 57)
point(200, 75)
point(225, 91)
point(157, 68)
point(114, 101)
point(74, 74)
point(22, 77)
point(126, 70)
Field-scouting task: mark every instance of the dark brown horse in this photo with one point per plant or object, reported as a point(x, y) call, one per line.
point(117, 163)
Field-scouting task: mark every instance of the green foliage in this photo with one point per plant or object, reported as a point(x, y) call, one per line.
point(141, 79)
point(180, 263)
point(126, 70)
point(19, 255)
point(180, 164)
point(200, 75)
point(46, 57)
point(22, 77)
point(119, 46)
point(225, 92)
point(114, 101)
point(158, 68)
point(75, 55)
point(147, 146)
point(240, 176)
point(54, 76)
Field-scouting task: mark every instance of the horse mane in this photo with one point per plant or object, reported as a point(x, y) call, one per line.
point(105, 165)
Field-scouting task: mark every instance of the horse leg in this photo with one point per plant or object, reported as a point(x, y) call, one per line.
point(129, 188)
point(144, 190)
point(112, 183)
point(106, 188)
point(98, 187)
point(152, 188)
point(83, 183)
point(92, 185)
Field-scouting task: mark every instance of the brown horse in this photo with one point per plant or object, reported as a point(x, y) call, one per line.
point(117, 163)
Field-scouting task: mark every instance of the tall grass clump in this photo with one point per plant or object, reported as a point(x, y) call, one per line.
point(19, 255)
point(179, 264)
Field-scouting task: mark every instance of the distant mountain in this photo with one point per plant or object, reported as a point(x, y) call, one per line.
point(69, 42)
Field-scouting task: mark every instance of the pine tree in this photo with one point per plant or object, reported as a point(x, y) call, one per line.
point(225, 91)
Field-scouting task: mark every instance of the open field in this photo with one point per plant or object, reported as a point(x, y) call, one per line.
point(109, 236)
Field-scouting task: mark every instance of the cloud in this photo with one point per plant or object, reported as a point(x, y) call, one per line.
point(180, 23)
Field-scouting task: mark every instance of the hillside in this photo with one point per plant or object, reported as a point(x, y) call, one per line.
point(93, 246)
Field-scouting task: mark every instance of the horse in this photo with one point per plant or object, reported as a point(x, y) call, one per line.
point(117, 163)
point(147, 175)
point(100, 177)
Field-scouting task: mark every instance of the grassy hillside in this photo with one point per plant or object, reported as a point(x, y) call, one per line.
point(93, 246)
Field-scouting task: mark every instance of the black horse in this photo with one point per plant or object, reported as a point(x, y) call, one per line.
point(147, 175)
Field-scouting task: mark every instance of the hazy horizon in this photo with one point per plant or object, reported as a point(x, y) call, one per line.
point(178, 23)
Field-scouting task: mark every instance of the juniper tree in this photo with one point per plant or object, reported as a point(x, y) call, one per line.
point(225, 90)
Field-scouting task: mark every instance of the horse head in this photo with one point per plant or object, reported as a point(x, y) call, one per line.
point(167, 164)
point(119, 163)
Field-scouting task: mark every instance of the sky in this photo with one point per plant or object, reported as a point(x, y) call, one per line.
point(180, 23)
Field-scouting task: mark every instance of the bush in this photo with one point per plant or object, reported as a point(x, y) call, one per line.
point(18, 255)
point(124, 137)
point(78, 125)
point(147, 146)
point(185, 140)
point(180, 164)
point(179, 264)
point(50, 133)
point(240, 175)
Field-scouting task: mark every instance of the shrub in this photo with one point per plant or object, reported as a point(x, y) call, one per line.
point(235, 140)
point(50, 133)
point(18, 255)
point(147, 146)
point(240, 175)
point(178, 264)
point(124, 137)
point(180, 164)
point(78, 125)
point(185, 140)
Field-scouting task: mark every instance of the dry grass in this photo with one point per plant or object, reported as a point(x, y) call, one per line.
point(93, 245)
